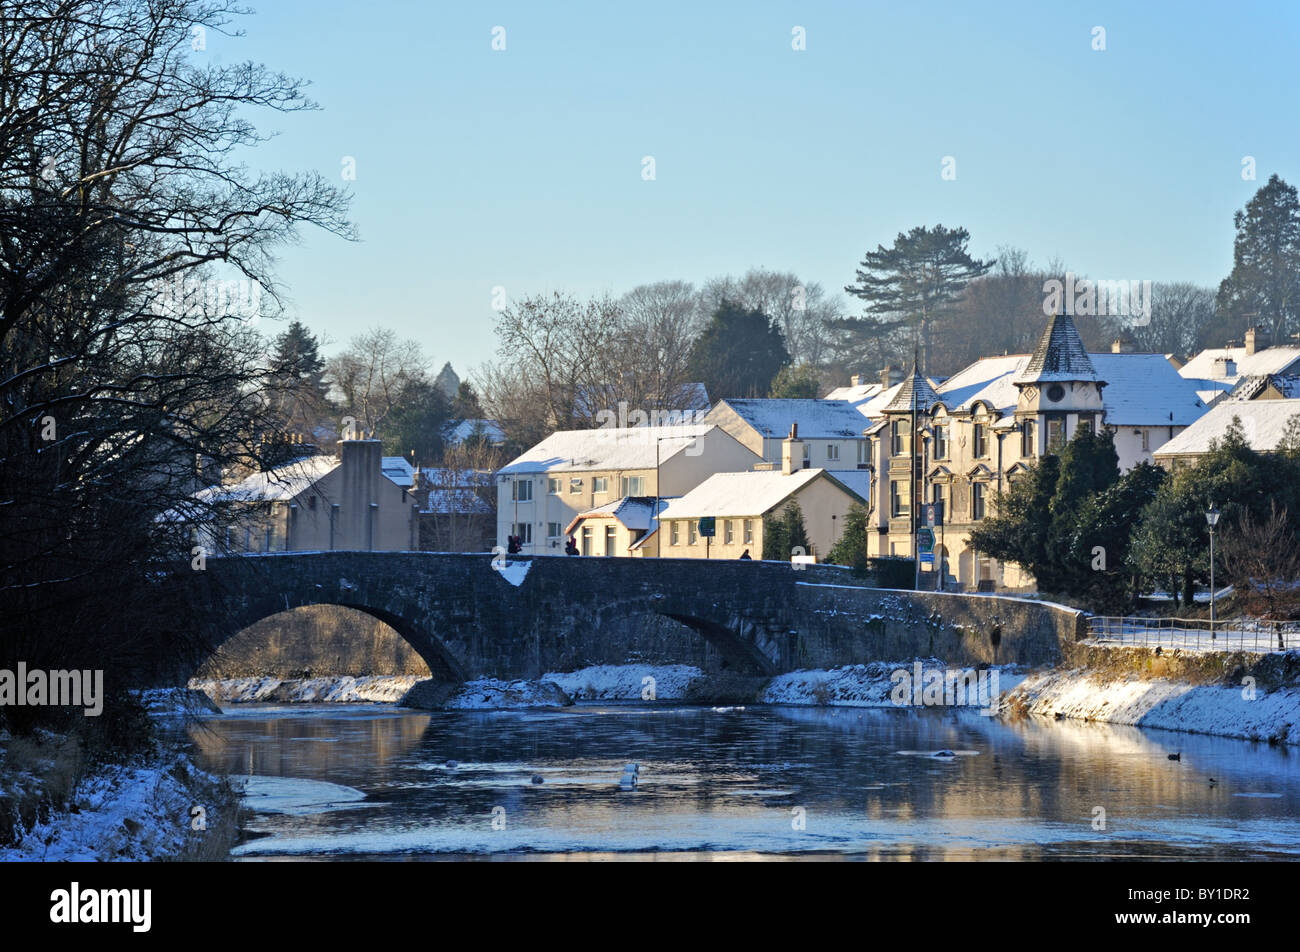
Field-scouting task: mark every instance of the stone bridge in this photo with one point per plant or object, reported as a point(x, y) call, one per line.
point(468, 620)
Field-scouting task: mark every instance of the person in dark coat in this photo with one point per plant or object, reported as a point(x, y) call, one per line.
point(744, 556)
point(512, 544)
point(571, 547)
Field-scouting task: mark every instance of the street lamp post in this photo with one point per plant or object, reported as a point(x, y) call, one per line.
point(1212, 519)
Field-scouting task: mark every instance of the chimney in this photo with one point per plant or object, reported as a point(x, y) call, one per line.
point(855, 380)
point(889, 376)
point(1121, 345)
point(1255, 340)
point(1224, 367)
point(360, 468)
point(792, 451)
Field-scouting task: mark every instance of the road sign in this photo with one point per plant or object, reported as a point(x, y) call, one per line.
point(925, 540)
point(927, 558)
point(708, 526)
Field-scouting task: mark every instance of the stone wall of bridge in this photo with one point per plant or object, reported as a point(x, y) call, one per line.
point(467, 620)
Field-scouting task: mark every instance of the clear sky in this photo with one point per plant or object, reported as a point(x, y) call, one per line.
point(522, 167)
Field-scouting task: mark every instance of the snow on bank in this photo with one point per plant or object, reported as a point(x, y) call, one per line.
point(868, 685)
point(491, 694)
point(170, 702)
point(627, 682)
point(1171, 705)
point(135, 812)
point(344, 689)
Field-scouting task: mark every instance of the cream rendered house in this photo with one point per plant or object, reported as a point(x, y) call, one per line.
point(542, 491)
point(315, 504)
point(738, 502)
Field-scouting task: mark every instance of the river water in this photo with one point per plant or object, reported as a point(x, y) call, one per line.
point(378, 782)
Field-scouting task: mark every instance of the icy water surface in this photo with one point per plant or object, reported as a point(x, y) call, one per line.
point(765, 782)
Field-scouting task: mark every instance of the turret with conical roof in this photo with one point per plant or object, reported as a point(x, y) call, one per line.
point(915, 385)
point(1060, 389)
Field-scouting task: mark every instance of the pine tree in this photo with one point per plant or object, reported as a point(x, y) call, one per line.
point(1264, 286)
point(913, 284)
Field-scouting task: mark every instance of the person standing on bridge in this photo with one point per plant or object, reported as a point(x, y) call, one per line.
point(744, 556)
point(571, 547)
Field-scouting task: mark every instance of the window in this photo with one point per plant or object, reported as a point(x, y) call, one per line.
point(1028, 445)
point(311, 503)
point(525, 532)
point(937, 493)
point(898, 501)
point(268, 539)
point(807, 455)
point(977, 500)
point(632, 486)
point(1085, 426)
point(521, 490)
point(832, 451)
point(1146, 439)
point(728, 532)
point(981, 440)
point(600, 484)
point(586, 540)
point(691, 526)
point(864, 452)
point(553, 486)
point(610, 540)
point(553, 530)
point(749, 532)
point(1055, 435)
point(575, 485)
point(674, 537)
point(898, 437)
point(941, 442)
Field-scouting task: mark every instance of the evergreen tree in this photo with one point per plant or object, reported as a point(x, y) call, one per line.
point(298, 392)
point(913, 284)
point(738, 353)
point(1264, 286)
point(851, 547)
point(795, 382)
point(783, 532)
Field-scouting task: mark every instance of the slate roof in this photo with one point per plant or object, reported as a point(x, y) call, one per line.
point(1059, 356)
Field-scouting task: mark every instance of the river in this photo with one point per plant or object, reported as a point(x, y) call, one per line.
point(379, 782)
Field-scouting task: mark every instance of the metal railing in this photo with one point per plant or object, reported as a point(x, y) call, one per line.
point(1195, 634)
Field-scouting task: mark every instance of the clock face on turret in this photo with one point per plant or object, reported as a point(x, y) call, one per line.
point(1056, 393)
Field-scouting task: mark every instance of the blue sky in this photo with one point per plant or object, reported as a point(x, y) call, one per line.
point(522, 168)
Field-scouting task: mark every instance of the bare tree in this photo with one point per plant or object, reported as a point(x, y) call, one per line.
point(1263, 561)
point(376, 374)
point(136, 252)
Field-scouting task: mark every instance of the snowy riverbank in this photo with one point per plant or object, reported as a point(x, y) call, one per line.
point(159, 808)
point(342, 690)
point(1225, 710)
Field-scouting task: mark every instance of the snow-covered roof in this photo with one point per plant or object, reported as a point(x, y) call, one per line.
point(987, 379)
point(855, 393)
point(1263, 422)
point(1146, 390)
point(752, 493)
point(1270, 360)
point(1059, 355)
point(817, 419)
point(1248, 388)
point(282, 483)
point(858, 480)
point(463, 430)
point(875, 406)
point(606, 448)
point(399, 470)
point(633, 512)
